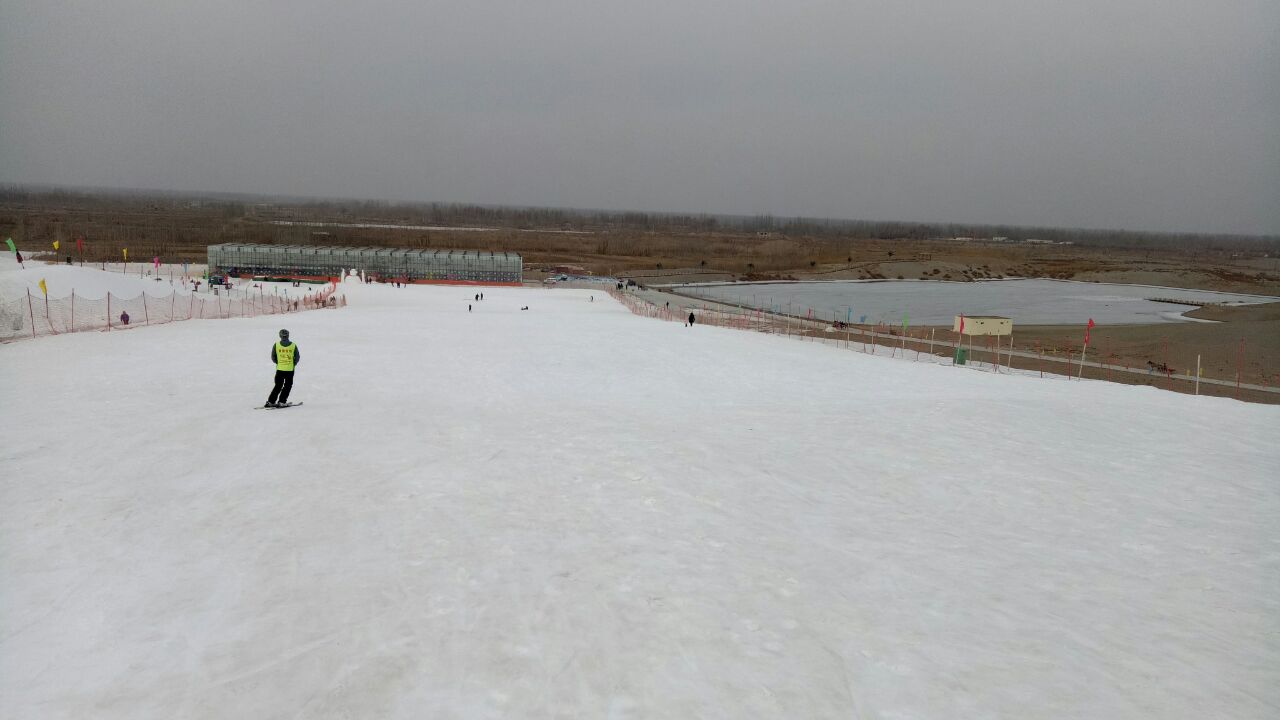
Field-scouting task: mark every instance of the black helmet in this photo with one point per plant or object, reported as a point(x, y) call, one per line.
point(284, 334)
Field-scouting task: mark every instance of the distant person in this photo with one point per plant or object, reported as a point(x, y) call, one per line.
point(690, 320)
point(468, 307)
point(286, 356)
point(526, 307)
point(124, 318)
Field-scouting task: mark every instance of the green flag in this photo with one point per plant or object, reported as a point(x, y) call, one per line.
point(12, 248)
point(904, 319)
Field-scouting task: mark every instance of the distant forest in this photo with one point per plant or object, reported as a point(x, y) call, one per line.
point(230, 206)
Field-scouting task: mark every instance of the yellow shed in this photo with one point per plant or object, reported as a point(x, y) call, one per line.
point(984, 325)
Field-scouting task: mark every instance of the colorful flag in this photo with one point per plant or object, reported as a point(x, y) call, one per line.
point(12, 247)
point(961, 323)
point(1087, 328)
point(55, 244)
point(80, 244)
point(44, 288)
point(904, 319)
point(126, 254)
point(156, 260)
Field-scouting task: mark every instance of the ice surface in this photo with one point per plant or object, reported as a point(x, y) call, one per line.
point(1027, 302)
point(575, 512)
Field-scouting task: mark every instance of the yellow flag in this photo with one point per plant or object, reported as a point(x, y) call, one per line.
point(55, 244)
point(126, 254)
point(44, 288)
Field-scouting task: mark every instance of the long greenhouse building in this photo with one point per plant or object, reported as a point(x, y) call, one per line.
point(311, 262)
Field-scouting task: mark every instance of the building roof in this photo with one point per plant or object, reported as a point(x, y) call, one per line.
point(350, 248)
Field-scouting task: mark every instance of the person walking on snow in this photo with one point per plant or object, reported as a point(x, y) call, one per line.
point(286, 356)
point(690, 320)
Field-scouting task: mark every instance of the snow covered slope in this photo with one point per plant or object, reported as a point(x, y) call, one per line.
point(574, 512)
point(87, 281)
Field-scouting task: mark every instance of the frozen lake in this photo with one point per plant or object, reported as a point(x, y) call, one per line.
point(935, 302)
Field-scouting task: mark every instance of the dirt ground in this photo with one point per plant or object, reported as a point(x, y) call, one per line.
point(1244, 338)
point(1128, 346)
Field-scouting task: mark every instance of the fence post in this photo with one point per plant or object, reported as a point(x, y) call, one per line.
point(146, 317)
point(1239, 364)
point(1168, 372)
point(1197, 374)
point(73, 309)
point(31, 313)
point(108, 311)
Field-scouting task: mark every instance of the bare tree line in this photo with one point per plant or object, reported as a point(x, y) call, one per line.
point(166, 223)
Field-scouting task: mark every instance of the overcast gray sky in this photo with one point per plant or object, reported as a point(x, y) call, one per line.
point(1145, 114)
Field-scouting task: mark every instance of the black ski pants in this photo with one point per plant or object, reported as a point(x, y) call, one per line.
point(284, 383)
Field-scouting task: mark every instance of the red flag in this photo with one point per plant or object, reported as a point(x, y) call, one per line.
point(961, 323)
point(1086, 331)
point(80, 244)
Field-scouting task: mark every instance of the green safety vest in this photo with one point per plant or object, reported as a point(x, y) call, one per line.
point(284, 356)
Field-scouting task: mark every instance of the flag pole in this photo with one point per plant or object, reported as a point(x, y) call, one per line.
point(1084, 348)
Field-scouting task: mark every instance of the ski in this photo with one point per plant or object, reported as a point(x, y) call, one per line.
point(264, 407)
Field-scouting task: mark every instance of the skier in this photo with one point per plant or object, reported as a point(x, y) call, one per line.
point(690, 320)
point(286, 356)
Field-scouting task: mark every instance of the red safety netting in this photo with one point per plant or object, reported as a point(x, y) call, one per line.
point(33, 315)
